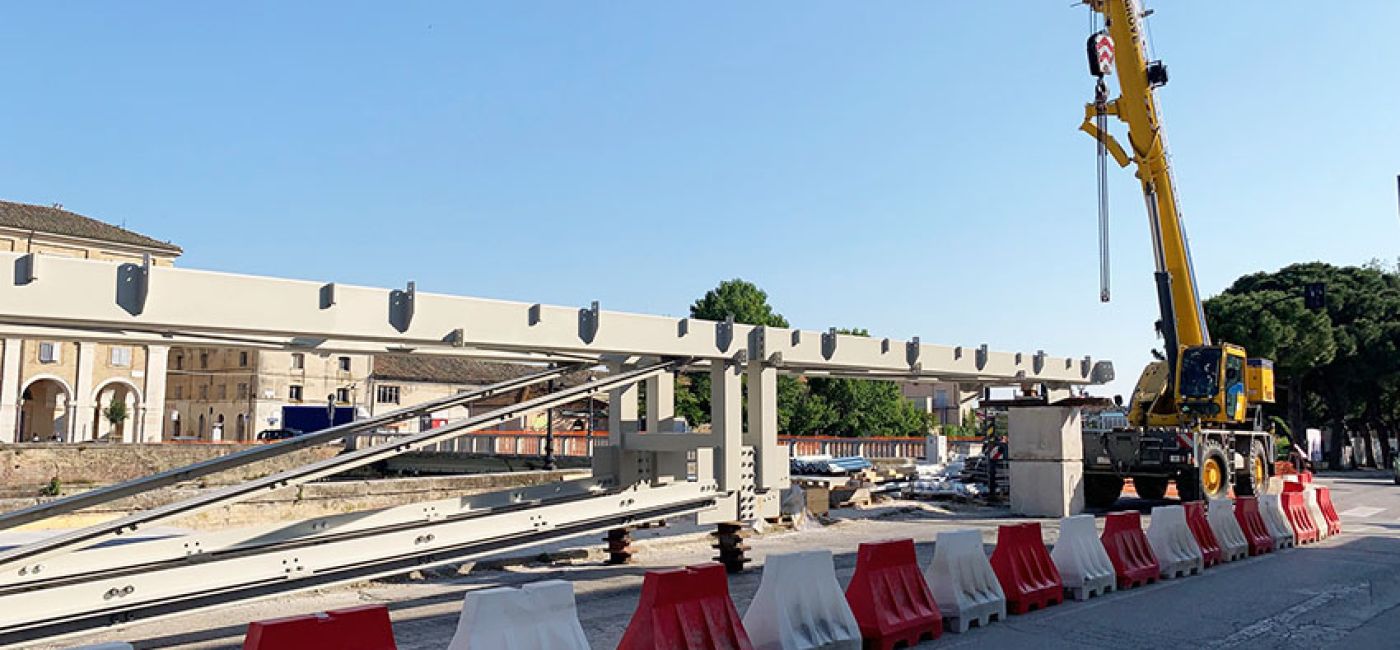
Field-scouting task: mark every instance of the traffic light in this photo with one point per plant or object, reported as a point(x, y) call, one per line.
point(1315, 296)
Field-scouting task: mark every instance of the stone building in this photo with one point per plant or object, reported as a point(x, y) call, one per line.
point(76, 391)
point(232, 394)
point(400, 381)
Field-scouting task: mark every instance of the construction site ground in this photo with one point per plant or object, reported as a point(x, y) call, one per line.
point(1344, 591)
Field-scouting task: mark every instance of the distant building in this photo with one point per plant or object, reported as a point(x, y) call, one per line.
point(229, 394)
point(400, 381)
point(945, 400)
point(65, 390)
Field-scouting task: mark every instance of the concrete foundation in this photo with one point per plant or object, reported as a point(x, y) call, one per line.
point(1046, 452)
point(1047, 488)
point(1045, 433)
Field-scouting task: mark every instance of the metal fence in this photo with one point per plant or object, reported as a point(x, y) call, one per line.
point(581, 444)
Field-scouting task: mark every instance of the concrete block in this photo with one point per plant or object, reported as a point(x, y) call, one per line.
point(1047, 488)
point(1046, 433)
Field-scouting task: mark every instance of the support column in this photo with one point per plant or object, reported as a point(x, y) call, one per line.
point(82, 401)
point(152, 427)
point(762, 435)
point(727, 423)
point(661, 403)
point(9, 389)
point(622, 413)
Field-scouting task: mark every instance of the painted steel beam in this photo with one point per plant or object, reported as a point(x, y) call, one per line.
point(22, 557)
point(84, 294)
point(263, 452)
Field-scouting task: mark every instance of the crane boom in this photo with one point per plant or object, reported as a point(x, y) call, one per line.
point(1183, 319)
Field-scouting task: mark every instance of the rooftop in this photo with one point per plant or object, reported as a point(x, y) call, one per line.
point(57, 221)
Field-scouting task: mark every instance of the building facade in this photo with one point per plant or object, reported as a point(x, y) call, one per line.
point(228, 394)
point(70, 391)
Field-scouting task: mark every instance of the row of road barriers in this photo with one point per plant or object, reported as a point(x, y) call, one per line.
point(889, 601)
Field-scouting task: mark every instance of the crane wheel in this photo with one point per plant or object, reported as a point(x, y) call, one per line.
point(1255, 478)
point(1101, 491)
point(1152, 488)
point(1213, 476)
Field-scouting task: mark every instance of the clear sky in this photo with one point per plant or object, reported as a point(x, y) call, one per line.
point(909, 167)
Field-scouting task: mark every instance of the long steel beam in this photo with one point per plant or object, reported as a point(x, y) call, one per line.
point(264, 452)
point(93, 295)
point(192, 573)
point(12, 558)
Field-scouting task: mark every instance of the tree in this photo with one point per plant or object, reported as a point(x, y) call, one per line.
point(816, 406)
point(748, 305)
point(1339, 366)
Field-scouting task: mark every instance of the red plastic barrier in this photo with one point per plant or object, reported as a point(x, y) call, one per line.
point(890, 598)
point(1132, 556)
point(1305, 477)
point(1025, 570)
point(685, 609)
point(1329, 512)
point(355, 628)
point(1252, 523)
point(1295, 506)
point(1201, 530)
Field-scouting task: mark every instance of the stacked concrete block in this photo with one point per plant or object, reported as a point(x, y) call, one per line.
point(1046, 451)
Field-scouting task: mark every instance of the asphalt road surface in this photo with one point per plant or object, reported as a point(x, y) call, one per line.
point(1343, 592)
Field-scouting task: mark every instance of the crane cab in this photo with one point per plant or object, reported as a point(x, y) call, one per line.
point(1218, 383)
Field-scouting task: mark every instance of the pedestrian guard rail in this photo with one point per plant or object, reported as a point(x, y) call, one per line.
point(686, 608)
point(963, 583)
point(1028, 576)
point(1079, 556)
point(1251, 521)
point(799, 605)
point(1200, 529)
point(891, 600)
point(1178, 553)
point(1329, 511)
point(539, 616)
point(1276, 520)
point(356, 628)
point(1295, 506)
point(1134, 563)
point(1233, 545)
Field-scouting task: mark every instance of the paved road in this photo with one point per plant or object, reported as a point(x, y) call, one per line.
point(1344, 592)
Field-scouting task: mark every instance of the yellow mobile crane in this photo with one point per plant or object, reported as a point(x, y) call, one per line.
point(1194, 414)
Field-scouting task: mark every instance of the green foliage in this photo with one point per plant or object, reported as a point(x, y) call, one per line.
point(116, 412)
point(819, 406)
point(53, 489)
point(1338, 367)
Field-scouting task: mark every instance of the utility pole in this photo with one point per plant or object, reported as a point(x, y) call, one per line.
point(549, 463)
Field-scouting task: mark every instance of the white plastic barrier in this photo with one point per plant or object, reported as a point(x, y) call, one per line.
point(1315, 511)
point(1083, 563)
point(1175, 546)
point(1221, 515)
point(800, 604)
point(1276, 521)
point(963, 583)
point(538, 616)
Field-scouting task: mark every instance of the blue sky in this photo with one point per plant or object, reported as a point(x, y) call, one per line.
point(909, 167)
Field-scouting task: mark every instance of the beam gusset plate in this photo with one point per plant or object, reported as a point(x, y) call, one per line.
point(86, 294)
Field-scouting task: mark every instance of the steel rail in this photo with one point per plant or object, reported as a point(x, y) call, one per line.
point(202, 597)
point(263, 452)
point(296, 476)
